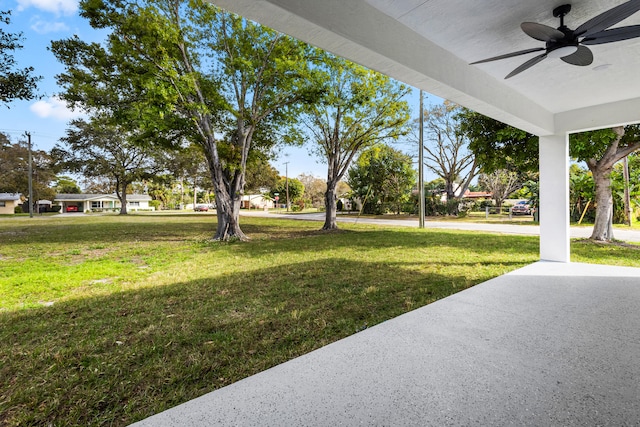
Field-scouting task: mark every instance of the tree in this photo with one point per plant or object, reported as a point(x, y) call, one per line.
point(581, 193)
point(601, 150)
point(227, 84)
point(382, 178)
point(446, 149)
point(14, 170)
point(296, 189)
point(188, 165)
point(14, 83)
point(625, 211)
point(518, 149)
point(98, 148)
point(66, 185)
point(260, 174)
point(500, 183)
point(314, 189)
point(360, 108)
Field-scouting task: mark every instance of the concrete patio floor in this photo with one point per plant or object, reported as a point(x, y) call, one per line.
point(550, 344)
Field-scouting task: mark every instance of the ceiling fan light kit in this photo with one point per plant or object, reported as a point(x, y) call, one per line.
point(571, 45)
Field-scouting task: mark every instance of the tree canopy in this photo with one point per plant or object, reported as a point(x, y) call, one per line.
point(360, 108)
point(382, 178)
point(190, 70)
point(99, 148)
point(599, 149)
point(14, 169)
point(15, 83)
point(447, 151)
point(518, 149)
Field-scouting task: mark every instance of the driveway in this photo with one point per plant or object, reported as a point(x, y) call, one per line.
point(531, 230)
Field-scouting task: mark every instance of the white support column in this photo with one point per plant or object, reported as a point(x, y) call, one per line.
point(554, 198)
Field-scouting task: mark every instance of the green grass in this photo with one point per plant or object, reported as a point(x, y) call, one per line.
point(105, 320)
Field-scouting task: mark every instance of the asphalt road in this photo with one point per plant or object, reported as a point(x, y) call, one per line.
point(532, 230)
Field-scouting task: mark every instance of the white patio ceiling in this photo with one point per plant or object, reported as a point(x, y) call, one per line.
point(430, 43)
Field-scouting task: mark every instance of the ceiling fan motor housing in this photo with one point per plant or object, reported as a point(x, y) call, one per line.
point(564, 46)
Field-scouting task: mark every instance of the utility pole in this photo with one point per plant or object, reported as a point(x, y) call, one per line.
point(30, 176)
point(421, 206)
point(286, 174)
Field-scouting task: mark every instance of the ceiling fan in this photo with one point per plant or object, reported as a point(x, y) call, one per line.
point(571, 45)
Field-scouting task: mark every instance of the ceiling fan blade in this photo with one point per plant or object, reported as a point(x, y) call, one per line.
point(614, 35)
point(608, 18)
point(530, 63)
point(541, 32)
point(509, 55)
point(583, 57)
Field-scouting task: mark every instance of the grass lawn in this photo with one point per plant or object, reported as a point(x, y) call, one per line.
point(105, 320)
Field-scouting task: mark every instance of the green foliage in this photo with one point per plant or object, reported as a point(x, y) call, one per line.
point(582, 194)
point(66, 185)
point(434, 206)
point(594, 144)
point(14, 83)
point(360, 108)
point(191, 71)
point(518, 149)
point(296, 190)
point(101, 148)
point(260, 175)
point(155, 204)
point(382, 178)
point(17, 209)
point(14, 169)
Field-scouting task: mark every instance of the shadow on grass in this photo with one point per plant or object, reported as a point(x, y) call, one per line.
point(116, 359)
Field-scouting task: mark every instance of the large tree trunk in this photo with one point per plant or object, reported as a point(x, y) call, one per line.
point(228, 187)
point(602, 229)
point(601, 171)
point(228, 213)
point(330, 222)
point(122, 196)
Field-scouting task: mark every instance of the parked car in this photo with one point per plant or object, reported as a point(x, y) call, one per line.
point(201, 208)
point(72, 208)
point(521, 208)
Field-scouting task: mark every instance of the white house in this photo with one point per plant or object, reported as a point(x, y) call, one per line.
point(8, 202)
point(101, 202)
point(256, 201)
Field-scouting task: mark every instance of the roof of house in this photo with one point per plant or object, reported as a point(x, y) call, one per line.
point(10, 196)
point(66, 197)
point(476, 194)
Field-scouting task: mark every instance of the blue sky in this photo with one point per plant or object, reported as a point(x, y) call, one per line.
point(42, 21)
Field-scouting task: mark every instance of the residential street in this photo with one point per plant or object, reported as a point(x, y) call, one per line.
point(576, 232)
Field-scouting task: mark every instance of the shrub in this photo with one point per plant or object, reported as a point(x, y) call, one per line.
point(17, 209)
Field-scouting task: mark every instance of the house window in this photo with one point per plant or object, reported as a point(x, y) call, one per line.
point(3, 204)
point(134, 204)
point(96, 204)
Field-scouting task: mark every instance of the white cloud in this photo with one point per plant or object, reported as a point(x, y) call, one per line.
point(54, 108)
point(59, 7)
point(44, 27)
